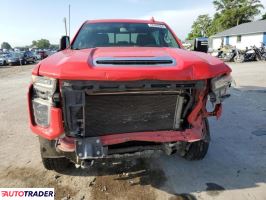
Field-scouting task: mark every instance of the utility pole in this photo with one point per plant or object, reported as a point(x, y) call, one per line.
point(65, 21)
point(69, 21)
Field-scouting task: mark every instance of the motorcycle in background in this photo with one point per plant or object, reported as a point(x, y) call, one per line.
point(230, 55)
point(239, 58)
point(262, 50)
point(252, 54)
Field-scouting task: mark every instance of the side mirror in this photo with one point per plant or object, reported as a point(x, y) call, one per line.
point(64, 42)
point(201, 44)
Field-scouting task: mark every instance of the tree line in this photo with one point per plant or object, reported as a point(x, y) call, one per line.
point(229, 13)
point(40, 44)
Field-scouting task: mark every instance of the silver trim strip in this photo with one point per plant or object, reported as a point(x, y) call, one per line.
point(169, 61)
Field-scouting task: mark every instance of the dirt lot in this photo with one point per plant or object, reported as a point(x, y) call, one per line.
point(235, 167)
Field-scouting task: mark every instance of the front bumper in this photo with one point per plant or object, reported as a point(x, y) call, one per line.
point(13, 62)
point(97, 146)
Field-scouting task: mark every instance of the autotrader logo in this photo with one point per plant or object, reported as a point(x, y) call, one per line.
point(27, 193)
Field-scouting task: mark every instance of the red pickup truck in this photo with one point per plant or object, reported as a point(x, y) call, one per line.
point(124, 88)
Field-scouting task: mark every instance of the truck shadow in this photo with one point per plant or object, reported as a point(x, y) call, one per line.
point(130, 179)
point(135, 171)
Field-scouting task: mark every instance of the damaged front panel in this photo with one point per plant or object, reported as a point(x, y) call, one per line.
point(93, 109)
point(74, 105)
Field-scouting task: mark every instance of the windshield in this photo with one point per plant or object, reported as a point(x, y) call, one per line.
point(124, 34)
point(15, 55)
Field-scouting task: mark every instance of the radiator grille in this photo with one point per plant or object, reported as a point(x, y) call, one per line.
point(95, 108)
point(108, 114)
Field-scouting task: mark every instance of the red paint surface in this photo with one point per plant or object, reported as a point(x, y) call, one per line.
point(75, 65)
point(55, 128)
point(66, 144)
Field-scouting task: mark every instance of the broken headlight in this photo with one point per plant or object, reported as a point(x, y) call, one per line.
point(44, 86)
point(219, 88)
point(42, 98)
point(41, 112)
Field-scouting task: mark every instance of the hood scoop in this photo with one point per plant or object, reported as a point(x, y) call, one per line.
point(134, 61)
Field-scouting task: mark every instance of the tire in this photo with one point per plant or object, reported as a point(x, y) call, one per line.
point(51, 159)
point(239, 59)
point(56, 164)
point(264, 57)
point(197, 150)
point(227, 59)
point(258, 58)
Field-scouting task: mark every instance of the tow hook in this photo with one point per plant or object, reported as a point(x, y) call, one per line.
point(216, 112)
point(86, 164)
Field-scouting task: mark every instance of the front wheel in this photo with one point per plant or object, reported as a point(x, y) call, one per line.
point(239, 58)
point(197, 150)
point(227, 59)
point(51, 159)
point(264, 57)
point(56, 164)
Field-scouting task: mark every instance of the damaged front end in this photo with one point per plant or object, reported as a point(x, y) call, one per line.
point(101, 119)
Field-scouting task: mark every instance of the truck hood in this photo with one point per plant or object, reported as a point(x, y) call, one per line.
point(80, 65)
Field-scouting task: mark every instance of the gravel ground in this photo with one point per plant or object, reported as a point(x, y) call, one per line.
point(6, 71)
point(235, 167)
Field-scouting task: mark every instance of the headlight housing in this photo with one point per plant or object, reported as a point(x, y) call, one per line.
point(44, 84)
point(41, 112)
point(219, 88)
point(221, 82)
point(42, 98)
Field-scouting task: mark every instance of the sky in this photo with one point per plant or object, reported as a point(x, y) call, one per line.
point(21, 22)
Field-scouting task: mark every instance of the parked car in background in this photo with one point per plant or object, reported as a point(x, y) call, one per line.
point(14, 58)
point(28, 57)
point(37, 56)
point(49, 53)
point(43, 54)
point(21, 58)
point(3, 59)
